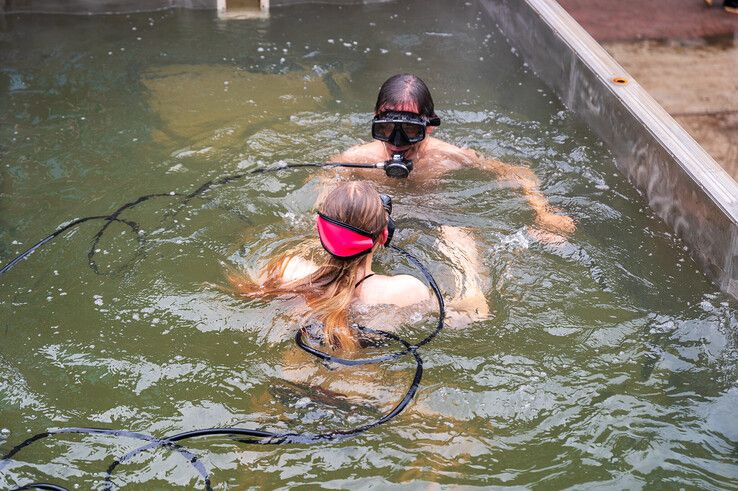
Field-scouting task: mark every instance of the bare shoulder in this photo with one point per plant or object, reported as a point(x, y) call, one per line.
point(363, 154)
point(411, 289)
point(296, 267)
point(447, 154)
point(467, 156)
point(440, 146)
point(400, 290)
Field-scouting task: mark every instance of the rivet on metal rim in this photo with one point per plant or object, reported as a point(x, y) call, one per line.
point(620, 80)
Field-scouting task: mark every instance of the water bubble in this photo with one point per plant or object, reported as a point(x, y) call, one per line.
point(303, 402)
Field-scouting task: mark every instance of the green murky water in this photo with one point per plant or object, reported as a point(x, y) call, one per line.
point(609, 361)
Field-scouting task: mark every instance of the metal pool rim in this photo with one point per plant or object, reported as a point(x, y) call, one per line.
point(681, 182)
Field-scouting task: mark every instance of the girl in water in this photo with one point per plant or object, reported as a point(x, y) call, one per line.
point(353, 222)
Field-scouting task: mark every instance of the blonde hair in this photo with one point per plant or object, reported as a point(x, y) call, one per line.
point(330, 289)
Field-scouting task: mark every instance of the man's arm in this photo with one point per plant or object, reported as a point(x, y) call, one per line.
point(547, 216)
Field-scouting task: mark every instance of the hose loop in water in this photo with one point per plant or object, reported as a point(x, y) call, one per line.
point(260, 437)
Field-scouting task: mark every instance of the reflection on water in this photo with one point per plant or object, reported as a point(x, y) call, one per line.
point(608, 359)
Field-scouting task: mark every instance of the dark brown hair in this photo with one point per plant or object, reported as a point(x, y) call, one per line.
point(403, 89)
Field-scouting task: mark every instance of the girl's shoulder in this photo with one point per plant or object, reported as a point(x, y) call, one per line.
point(296, 267)
point(400, 290)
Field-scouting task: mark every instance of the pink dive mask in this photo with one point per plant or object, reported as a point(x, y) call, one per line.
point(344, 241)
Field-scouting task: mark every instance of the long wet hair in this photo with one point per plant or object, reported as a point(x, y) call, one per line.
point(330, 289)
point(404, 89)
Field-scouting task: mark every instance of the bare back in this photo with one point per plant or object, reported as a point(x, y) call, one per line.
point(398, 290)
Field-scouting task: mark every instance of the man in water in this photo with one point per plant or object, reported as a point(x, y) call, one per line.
point(404, 120)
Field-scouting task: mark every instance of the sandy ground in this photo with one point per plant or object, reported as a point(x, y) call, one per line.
point(684, 54)
point(697, 83)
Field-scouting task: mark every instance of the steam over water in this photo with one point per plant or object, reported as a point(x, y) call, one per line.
point(608, 360)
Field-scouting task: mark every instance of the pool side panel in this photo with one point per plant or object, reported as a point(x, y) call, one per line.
point(681, 182)
point(88, 7)
point(91, 7)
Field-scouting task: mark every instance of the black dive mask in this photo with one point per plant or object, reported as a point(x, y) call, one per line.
point(401, 128)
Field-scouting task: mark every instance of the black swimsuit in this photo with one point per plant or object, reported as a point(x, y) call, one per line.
point(361, 280)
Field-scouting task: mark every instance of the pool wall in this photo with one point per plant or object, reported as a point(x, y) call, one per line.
point(682, 183)
point(89, 7)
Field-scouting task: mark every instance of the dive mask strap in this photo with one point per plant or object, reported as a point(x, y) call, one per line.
point(389, 232)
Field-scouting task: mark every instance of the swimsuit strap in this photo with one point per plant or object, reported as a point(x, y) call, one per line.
point(361, 280)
